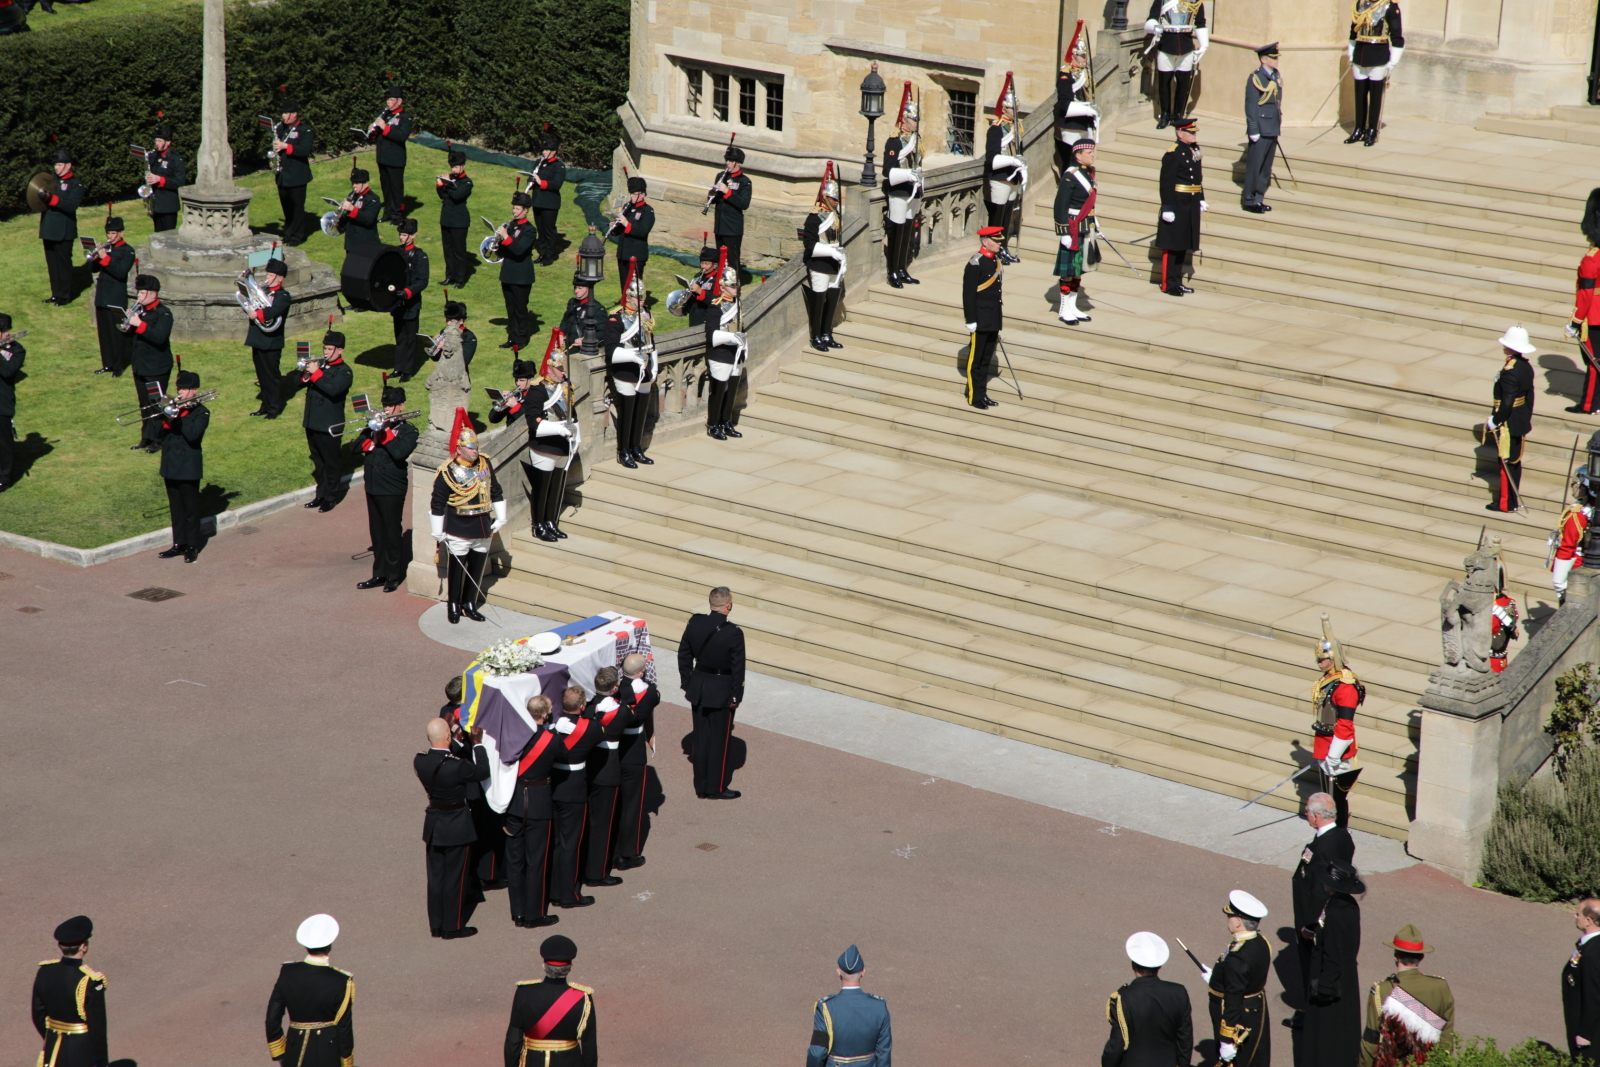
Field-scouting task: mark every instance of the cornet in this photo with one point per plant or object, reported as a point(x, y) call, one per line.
point(128, 316)
point(516, 396)
point(305, 363)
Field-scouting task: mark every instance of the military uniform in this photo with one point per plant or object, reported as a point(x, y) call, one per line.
point(1334, 700)
point(706, 278)
point(183, 465)
point(711, 671)
point(631, 366)
point(1238, 1000)
point(516, 274)
point(170, 177)
point(69, 1004)
point(553, 439)
point(729, 207)
point(392, 130)
point(1077, 118)
point(550, 175)
point(448, 833)
point(455, 218)
point(1580, 997)
point(585, 317)
point(326, 387)
point(632, 232)
point(1005, 175)
point(822, 248)
point(1151, 1022)
point(1074, 218)
point(850, 1026)
point(527, 830)
point(727, 351)
point(386, 450)
point(294, 173)
point(361, 221)
point(58, 229)
point(318, 998)
point(553, 1021)
point(1585, 317)
point(1263, 122)
point(1183, 36)
point(1573, 528)
point(639, 699)
point(981, 301)
point(12, 355)
point(1183, 198)
point(1513, 418)
point(1377, 41)
point(265, 341)
point(408, 311)
point(112, 268)
point(1408, 1013)
point(902, 186)
point(604, 772)
point(150, 355)
point(569, 796)
point(466, 509)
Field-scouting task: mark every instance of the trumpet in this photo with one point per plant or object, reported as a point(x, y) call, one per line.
point(166, 405)
point(373, 421)
point(249, 293)
point(489, 247)
point(516, 396)
point(305, 363)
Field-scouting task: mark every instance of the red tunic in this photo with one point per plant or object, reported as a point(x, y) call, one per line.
point(1586, 308)
point(1573, 525)
point(1346, 697)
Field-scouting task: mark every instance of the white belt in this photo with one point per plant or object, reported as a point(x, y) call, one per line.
point(634, 730)
point(610, 744)
point(570, 766)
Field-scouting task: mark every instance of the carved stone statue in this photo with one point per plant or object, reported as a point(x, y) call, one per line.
point(450, 386)
point(1466, 611)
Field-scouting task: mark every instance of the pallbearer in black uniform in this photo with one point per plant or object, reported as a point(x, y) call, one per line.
point(822, 243)
point(632, 365)
point(150, 332)
point(360, 209)
point(604, 772)
point(852, 1025)
point(549, 174)
point(112, 266)
point(12, 356)
point(327, 381)
point(1377, 41)
point(58, 228)
point(730, 196)
point(294, 141)
point(1263, 122)
point(1183, 199)
point(711, 673)
point(1151, 1021)
point(902, 185)
point(981, 307)
point(1181, 41)
point(164, 173)
point(726, 353)
point(265, 340)
point(447, 829)
point(386, 442)
point(1074, 214)
point(527, 822)
point(1237, 982)
point(69, 1002)
point(631, 230)
point(391, 129)
point(455, 218)
point(1512, 419)
point(569, 797)
point(553, 1021)
point(516, 239)
point(1005, 175)
point(467, 510)
point(1077, 118)
point(319, 1000)
point(409, 309)
point(639, 698)
point(183, 429)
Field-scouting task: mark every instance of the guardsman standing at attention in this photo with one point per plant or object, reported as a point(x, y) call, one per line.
point(183, 429)
point(1182, 39)
point(1183, 199)
point(265, 340)
point(1409, 1012)
point(151, 354)
point(12, 355)
point(1512, 420)
point(112, 267)
point(387, 442)
point(727, 350)
point(1152, 1024)
point(1237, 985)
point(1335, 697)
point(1263, 122)
point(1077, 118)
point(1573, 528)
point(318, 998)
point(447, 829)
point(852, 1025)
point(361, 210)
point(58, 228)
point(517, 238)
point(409, 309)
point(1586, 309)
point(326, 382)
point(731, 196)
point(822, 241)
point(466, 510)
point(1074, 214)
point(1377, 41)
point(165, 176)
point(632, 365)
point(391, 130)
point(546, 189)
point(711, 672)
point(632, 229)
point(981, 306)
point(1005, 174)
point(295, 141)
point(902, 185)
point(69, 1001)
point(455, 218)
point(553, 1021)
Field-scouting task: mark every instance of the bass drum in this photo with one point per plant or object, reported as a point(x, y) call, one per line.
point(368, 272)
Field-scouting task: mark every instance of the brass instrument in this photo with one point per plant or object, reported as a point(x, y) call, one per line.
point(516, 396)
point(249, 293)
point(166, 405)
point(15, 335)
point(142, 154)
point(92, 251)
point(489, 247)
point(128, 316)
point(383, 419)
point(532, 177)
point(38, 192)
point(334, 222)
point(435, 346)
point(306, 363)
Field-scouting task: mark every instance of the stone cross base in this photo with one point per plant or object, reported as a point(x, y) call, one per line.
point(215, 216)
point(198, 283)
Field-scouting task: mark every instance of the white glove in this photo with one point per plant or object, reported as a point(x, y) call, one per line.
point(902, 176)
point(436, 526)
point(1007, 161)
point(1167, 216)
point(553, 428)
point(972, 327)
point(1334, 767)
point(1488, 424)
point(565, 725)
point(1202, 36)
point(1394, 56)
point(608, 704)
point(1205, 975)
point(499, 517)
point(375, 423)
point(1079, 108)
point(1226, 1051)
point(1152, 26)
point(1254, 137)
point(1203, 206)
point(1572, 329)
point(1350, 51)
point(1066, 240)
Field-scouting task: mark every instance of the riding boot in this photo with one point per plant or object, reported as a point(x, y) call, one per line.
point(1374, 112)
point(472, 589)
point(1181, 81)
point(906, 242)
point(714, 410)
point(1164, 79)
point(1360, 130)
point(891, 252)
point(641, 418)
point(830, 312)
point(814, 313)
point(453, 576)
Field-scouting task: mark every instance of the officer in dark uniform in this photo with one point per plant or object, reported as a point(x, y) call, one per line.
point(409, 309)
point(711, 671)
point(387, 444)
point(318, 998)
point(527, 823)
point(183, 427)
point(639, 697)
point(1580, 985)
point(701, 284)
point(164, 174)
point(1151, 1022)
point(981, 307)
point(553, 1021)
point(391, 130)
point(1329, 842)
point(150, 354)
point(632, 230)
point(265, 341)
point(112, 267)
point(69, 1001)
point(455, 218)
point(12, 355)
point(604, 771)
point(569, 794)
point(731, 196)
point(58, 228)
point(1183, 198)
point(465, 510)
point(852, 1025)
point(549, 175)
point(326, 382)
point(1237, 982)
point(585, 317)
point(1263, 122)
point(295, 141)
point(1377, 40)
point(447, 829)
point(361, 209)
point(1512, 420)
point(517, 239)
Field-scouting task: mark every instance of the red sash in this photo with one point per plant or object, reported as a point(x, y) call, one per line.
point(605, 719)
point(577, 732)
point(1083, 213)
point(533, 753)
point(558, 1011)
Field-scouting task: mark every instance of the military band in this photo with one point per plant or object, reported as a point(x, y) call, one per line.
point(455, 219)
point(386, 443)
point(631, 230)
point(69, 1002)
point(583, 323)
point(164, 173)
point(822, 248)
point(549, 174)
point(726, 353)
point(318, 1000)
point(632, 367)
point(1074, 216)
point(326, 381)
point(516, 240)
point(408, 306)
point(12, 357)
point(390, 130)
point(149, 324)
point(553, 1021)
point(1511, 419)
point(360, 211)
point(1180, 42)
point(294, 141)
point(703, 285)
point(1263, 122)
point(1183, 199)
point(183, 421)
point(1377, 40)
point(730, 197)
point(902, 185)
point(112, 261)
point(981, 306)
point(1237, 986)
point(1005, 174)
point(466, 510)
point(264, 338)
point(58, 227)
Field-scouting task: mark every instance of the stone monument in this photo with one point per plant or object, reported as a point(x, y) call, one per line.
point(199, 262)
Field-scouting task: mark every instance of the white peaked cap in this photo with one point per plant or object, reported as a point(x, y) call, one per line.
point(545, 644)
point(1147, 949)
point(319, 931)
point(1245, 906)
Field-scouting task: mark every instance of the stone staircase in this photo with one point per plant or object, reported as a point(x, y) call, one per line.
point(1130, 562)
point(1574, 123)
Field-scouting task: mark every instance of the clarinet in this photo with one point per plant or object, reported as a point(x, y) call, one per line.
point(711, 195)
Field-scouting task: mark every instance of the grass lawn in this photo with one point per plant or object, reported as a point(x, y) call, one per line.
point(70, 14)
point(79, 484)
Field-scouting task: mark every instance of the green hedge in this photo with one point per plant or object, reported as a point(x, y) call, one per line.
point(1541, 843)
point(493, 71)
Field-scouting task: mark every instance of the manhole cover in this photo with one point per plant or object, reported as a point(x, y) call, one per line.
point(30, 611)
point(707, 847)
point(154, 594)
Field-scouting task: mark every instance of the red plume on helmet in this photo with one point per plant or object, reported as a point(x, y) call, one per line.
point(905, 98)
point(1077, 37)
point(549, 350)
point(1006, 90)
point(722, 265)
point(828, 175)
point(456, 427)
point(628, 293)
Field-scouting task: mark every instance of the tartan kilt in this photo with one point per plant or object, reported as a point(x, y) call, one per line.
point(1069, 261)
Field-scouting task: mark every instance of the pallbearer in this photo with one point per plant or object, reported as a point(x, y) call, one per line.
point(902, 184)
point(825, 260)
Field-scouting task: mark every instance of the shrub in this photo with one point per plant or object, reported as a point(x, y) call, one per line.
point(1542, 843)
point(1484, 1052)
point(1575, 720)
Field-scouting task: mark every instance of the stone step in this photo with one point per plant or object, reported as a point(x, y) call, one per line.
point(1551, 129)
point(1588, 114)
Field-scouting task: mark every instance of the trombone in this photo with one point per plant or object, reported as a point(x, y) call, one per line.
point(15, 335)
point(165, 405)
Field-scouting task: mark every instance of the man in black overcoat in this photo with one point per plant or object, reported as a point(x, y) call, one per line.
point(711, 671)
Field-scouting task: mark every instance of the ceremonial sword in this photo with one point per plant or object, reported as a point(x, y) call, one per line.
point(1275, 788)
point(1102, 235)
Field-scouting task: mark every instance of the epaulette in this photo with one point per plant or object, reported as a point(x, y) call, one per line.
point(91, 972)
point(826, 998)
point(1170, 147)
point(975, 260)
point(584, 988)
point(531, 981)
point(46, 963)
point(874, 996)
point(342, 971)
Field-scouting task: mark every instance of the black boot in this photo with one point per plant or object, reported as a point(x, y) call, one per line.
point(453, 575)
point(1360, 132)
point(641, 418)
point(813, 302)
point(830, 310)
point(1181, 82)
point(1374, 112)
point(625, 457)
point(1164, 79)
point(640, 457)
point(472, 588)
point(891, 253)
point(908, 233)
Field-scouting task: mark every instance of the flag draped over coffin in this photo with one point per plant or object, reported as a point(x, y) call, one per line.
point(499, 704)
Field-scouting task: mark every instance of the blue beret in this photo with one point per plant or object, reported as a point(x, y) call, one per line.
point(850, 961)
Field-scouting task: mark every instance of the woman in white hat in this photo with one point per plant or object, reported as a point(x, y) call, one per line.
point(1512, 420)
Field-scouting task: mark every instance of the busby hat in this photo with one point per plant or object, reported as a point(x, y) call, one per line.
point(1147, 950)
point(407, 225)
point(708, 254)
point(850, 961)
point(163, 131)
point(334, 338)
point(1244, 906)
point(75, 931)
point(549, 143)
point(395, 90)
point(392, 395)
point(319, 931)
point(992, 231)
point(1339, 877)
point(113, 223)
point(289, 105)
point(521, 199)
point(458, 158)
point(188, 379)
point(454, 309)
point(5, 322)
point(62, 156)
point(579, 279)
point(524, 368)
point(558, 950)
point(277, 266)
point(359, 175)
point(1591, 218)
point(147, 282)
point(636, 184)
point(1409, 939)
point(1268, 51)
point(734, 154)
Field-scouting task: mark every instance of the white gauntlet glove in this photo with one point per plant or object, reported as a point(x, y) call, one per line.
point(436, 526)
point(499, 517)
point(1167, 216)
point(1394, 56)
